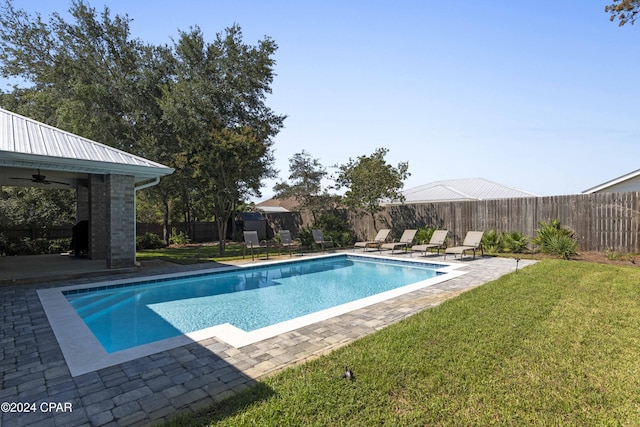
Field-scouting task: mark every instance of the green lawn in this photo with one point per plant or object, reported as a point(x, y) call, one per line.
point(192, 254)
point(205, 253)
point(557, 343)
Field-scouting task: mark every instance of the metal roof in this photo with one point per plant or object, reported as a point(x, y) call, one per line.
point(28, 144)
point(627, 182)
point(462, 189)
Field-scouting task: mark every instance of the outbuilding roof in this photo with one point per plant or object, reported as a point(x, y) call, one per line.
point(462, 189)
point(28, 144)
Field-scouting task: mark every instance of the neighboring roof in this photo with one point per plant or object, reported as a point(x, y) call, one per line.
point(272, 209)
point(628, 182)
point(462, 189)
point(251, 216)
point(26, 143)
point(288, 204)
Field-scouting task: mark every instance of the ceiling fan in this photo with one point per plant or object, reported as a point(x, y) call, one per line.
point(40, 179)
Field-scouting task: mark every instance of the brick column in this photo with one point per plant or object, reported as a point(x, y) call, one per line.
point(97, 217)
point(120, 220)
point(82, 201)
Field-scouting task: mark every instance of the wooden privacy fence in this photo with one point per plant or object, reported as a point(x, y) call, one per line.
point(602, 222)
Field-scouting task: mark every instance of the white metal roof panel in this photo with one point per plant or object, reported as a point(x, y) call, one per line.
point(25, 142)
point(462, 189)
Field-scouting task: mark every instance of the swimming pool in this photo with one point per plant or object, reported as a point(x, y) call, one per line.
point(238, 305)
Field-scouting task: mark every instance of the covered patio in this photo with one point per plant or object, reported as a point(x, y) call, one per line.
point(105, 179)
point(22, 270)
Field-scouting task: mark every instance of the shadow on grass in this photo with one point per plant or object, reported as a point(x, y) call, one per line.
point(229, 407)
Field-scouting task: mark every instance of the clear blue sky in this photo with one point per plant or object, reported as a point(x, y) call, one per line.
point(538, 95)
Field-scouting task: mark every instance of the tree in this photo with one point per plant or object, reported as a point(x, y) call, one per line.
point(216, 105)
point(90, 77)
point(83, 76)
point(305, 184)
point(624, 11)
point(370, 181)
point(35, 208)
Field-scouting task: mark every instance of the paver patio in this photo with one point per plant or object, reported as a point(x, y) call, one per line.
point(158, 387)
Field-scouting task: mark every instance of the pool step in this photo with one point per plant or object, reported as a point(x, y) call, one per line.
point(99, 302)
point(106, 310)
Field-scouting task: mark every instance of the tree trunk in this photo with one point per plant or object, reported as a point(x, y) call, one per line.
point(166, 233)
point(222, 234)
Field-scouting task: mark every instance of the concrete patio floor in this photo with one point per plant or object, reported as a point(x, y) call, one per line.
point(160, 386)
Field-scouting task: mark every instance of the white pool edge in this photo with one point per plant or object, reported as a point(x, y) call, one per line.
point(84, 353)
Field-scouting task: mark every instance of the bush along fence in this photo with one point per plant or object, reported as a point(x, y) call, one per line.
point(607, 222)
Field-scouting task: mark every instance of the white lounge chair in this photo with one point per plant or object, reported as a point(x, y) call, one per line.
point(472, 242)
point(376, 242)
point(437, 241)
point(405, 241)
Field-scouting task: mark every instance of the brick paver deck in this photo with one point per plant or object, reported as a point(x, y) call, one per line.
point(160, 386)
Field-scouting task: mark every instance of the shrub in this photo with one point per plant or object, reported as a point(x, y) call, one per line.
point(562, 246)
point(618, 256)
point(178, 238)
point(491, 242)
point(40, 246)
point(23, 246)
point(424, 234)
point(514, 242)
point(306, 237)
point(332, 226)
point(57, 246)
point(149, 241)
point(553, 239)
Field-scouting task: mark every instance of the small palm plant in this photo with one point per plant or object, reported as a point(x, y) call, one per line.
point(514, 242)
point(556, 240)
point(424, 234)
point(491, 242)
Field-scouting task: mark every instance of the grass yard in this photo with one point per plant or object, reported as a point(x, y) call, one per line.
point(192, 254)
point(557, 343)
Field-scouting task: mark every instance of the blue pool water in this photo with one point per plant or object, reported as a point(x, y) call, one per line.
point(249, 298)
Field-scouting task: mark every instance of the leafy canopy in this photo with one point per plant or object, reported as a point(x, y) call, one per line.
point(216, 104)
point(370, 181)
point(625, 11)
point(305, 184)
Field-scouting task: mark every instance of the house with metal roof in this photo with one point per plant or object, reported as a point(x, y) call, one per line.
point(462, 189)
point(621, 184)
point(106, 179)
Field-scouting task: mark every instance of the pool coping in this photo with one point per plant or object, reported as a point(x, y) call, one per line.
point(83, 352)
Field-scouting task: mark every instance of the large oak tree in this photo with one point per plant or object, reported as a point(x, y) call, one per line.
point(217, 105)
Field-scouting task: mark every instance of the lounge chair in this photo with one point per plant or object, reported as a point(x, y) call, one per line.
point(437, 241)
point(472, 242)
point(376, 242)
point(287, 242)
point(252, 242)
point(405, 241)
point(318, 237)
